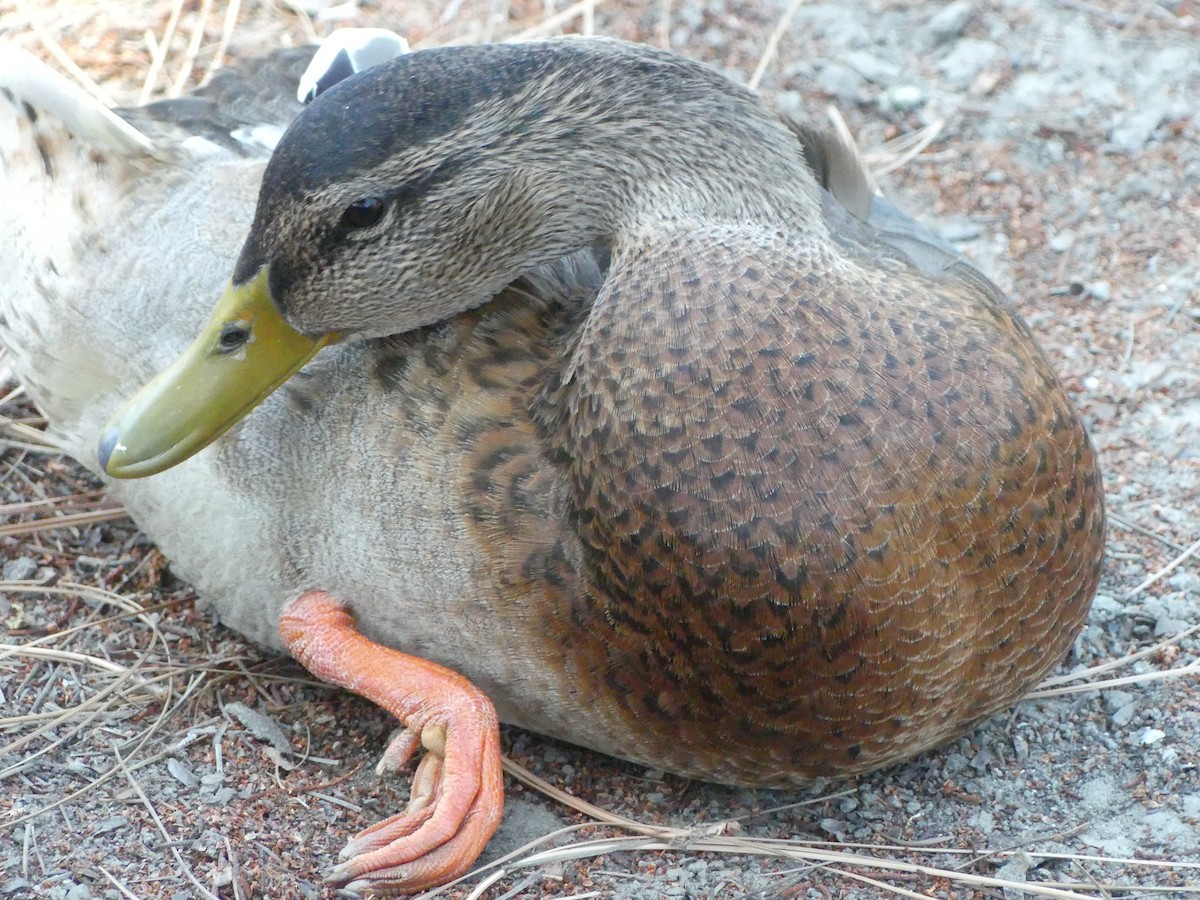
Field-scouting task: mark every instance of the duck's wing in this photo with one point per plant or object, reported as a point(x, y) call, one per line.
point(859, 211)
point(242, 110)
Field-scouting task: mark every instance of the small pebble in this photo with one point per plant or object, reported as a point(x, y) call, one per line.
point(872, 68)
point(1054, 150)
point(20, 569)
point(221, 797)
point(949, 21)
point(1191, 805)
point(981, 760)
point(1152, 736)
point(836, 827)
point(1020, 747)
point(181, 773)
point(902, 98)
point(1166, 626)
point(1185, 581)
point(1015, 870)
point(966, 60)
point(1114, 700)
point(1123, 716)
point(112, 823)
point(1134, 129)
point(1061, 241)
point(1104, 607)
point(841, 82)
point(715, 38)
point(260, 725)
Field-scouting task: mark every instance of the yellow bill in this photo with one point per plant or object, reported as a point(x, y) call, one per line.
point(244, 353)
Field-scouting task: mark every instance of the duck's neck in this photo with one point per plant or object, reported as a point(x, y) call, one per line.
point(649, 138)
point(613, 146)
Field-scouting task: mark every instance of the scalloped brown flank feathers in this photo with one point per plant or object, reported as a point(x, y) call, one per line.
point(772, 500)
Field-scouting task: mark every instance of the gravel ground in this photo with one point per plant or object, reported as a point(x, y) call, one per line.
point(1067, 164)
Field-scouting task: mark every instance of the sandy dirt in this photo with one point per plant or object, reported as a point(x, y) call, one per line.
point(147, 752)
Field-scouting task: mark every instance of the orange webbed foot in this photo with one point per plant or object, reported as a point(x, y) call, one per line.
point(458, 791)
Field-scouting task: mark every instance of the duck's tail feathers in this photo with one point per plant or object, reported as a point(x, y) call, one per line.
point(837, 164)
point(842, 172)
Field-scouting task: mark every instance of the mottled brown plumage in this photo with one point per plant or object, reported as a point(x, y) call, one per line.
point(677, 448)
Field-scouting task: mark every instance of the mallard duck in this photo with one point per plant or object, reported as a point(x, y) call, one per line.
point(641, 421)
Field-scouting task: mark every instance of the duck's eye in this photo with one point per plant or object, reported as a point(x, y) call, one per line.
point(363, 213)
point(234, 336)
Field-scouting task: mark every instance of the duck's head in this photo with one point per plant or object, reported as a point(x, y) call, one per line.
point(419, 189)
